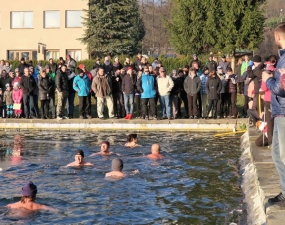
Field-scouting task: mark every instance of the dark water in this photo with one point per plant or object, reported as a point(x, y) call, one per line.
point(197, 182)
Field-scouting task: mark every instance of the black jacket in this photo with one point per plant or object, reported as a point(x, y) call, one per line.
point(45, 87)
point(116, 84)
point(61, 81)
point(28, 84)
point(108, 69)
point(178, 85)
point(21, 67)
point(53, 67)
point(213, 87)
point(4, 81)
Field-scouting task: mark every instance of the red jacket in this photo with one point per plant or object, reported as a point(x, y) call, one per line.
point(17, 95)
point(267, 92)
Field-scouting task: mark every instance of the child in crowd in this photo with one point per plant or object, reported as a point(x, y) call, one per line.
point(17, 96)
point(2, 104)
point(132, 140)
point(9, 101)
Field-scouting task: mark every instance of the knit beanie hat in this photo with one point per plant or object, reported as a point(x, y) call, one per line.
point(117, 164)
point(29, 189)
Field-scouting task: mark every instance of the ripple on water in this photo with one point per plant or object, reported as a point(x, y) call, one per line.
point(190, 186)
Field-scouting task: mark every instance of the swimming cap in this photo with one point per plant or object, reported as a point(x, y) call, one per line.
point(106, 142)
point(29, 189)
point(79, 152)
point(117, 164)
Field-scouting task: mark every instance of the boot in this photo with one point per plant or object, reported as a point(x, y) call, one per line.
point(127, 116)
point(214, 113)
point(130, 116)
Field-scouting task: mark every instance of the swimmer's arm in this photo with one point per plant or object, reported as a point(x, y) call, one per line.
point(93, 154)
point(88, 164)
point(44, 207)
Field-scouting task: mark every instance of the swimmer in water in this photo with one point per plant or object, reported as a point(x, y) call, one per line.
point(105, 149)
point(29, 192)
point(155, 152)
point(132, 140)
point(117, 167)
point(79, 159)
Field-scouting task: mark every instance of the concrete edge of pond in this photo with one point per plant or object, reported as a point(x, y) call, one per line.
point(120, 124)
point(260, 181)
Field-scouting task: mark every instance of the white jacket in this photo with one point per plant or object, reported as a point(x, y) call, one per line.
point(165, 84)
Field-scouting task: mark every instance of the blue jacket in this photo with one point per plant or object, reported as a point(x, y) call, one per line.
point(273, 84)
point(82, 85)
point(148, 86)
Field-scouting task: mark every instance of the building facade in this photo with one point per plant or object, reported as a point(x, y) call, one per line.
point(39, 30)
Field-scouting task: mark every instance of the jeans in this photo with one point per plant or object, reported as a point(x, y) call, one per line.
point(165, 106)
point(212, 106)
point(28, 101)
point(129, 100)
point(70, 103)
point(221, 106)
point(278, 149)
point(36, 105)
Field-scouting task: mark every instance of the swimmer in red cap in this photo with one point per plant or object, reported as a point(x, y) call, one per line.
point(105, 149)
point(117, 167)
point(79, 159)
point(155, 152)
point(29, 192)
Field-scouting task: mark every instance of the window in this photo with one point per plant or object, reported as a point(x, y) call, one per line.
point(51, 19)
point(18, 54)
point(76, 54)
point(73, 19)
point(22, 19)
point(52, 54)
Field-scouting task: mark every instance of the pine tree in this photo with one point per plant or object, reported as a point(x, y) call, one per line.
point(113, 27)
point(216, 25)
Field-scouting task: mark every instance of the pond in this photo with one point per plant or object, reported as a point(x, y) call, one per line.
point(198, 182)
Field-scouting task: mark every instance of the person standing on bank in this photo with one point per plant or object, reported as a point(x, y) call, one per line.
point(128, 89)
point(165, 85)
point(278, 112)
point(45, 85)
point(102, 87)
point(192, 85)
point(82, 85)
point(28, 85)
point(61, 81)
point(213, 87)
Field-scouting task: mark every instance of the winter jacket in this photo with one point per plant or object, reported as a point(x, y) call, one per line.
point(165, 85)
point(267, 93)
point(28, 84)
point(256, 75)
point(117, 84)
point(213, 87)
point(53, 67)
point(147, 86)
point(224, 82)
point(4, 81)
point(128, 84)
point(211, 65)
point(203, 79)
point(36, 76)
point(45, 87)
point(21, 67)
point(82, 85)
point(273, 84)
point(71, 65)
point(178, 85)
point(231, 84)
point(97, 86)
point(108, 68)
point(244, 66)
point(224, 65)
point(8, 99)
point(192, 85)
point(17, 95)
point(61, 81)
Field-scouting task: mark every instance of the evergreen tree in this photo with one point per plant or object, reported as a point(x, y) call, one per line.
point(216, 25)
point(113, 27)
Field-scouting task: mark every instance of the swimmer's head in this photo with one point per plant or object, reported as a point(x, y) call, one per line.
point(132, 137)
point(29, 189)
point(78, 156)
point(117, 164)
point(155, 148)
point(105, 146)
